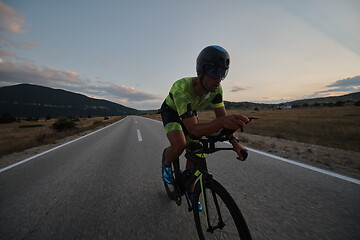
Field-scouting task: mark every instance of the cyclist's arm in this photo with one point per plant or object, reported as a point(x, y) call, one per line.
point(220, 112)
point(204, 129)
point(201, 129)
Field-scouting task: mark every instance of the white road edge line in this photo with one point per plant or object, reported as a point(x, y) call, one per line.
point(52, 149)
point(139, 135)
point(349, 179)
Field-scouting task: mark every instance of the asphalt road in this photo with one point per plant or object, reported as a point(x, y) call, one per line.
point(108, 186)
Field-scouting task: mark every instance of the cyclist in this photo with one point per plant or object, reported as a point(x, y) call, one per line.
point(187, 95)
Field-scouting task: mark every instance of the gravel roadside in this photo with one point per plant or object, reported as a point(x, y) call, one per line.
point(336, 160)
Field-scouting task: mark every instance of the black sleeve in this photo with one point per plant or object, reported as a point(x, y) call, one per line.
point(217, 99)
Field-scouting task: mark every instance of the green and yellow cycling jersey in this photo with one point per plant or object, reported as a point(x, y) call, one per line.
point(183, 100)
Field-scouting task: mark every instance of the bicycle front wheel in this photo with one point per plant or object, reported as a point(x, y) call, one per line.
point(220, 217)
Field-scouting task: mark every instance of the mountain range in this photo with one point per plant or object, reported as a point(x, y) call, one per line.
point(27, 100)
point(324, 101)
point(353, 97)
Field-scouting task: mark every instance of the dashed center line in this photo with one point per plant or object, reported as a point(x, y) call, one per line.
point(139, 135)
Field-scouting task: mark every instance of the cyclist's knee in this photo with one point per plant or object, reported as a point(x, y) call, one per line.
point(177, 141)
point(178, 148)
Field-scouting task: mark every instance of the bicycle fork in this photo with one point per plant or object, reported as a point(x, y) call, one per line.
point(221, 223)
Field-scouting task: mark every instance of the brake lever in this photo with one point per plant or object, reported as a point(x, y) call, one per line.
point(250, 118)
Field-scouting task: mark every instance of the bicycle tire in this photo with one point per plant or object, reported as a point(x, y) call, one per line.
point(235, 225)
point(170, 188)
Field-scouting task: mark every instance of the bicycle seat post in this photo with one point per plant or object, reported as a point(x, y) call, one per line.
point(212, 145)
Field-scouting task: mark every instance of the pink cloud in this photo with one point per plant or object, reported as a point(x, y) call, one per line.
point(236, 88)
point(6, 41)
point(28, 72)
point(121, 92)
point(10, 20)
point(7, 54)
point(340, 87)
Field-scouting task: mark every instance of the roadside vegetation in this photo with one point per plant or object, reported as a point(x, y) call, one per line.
point(336, 126)
point(21, 134)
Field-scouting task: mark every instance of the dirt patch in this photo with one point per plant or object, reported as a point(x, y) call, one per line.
point(335, 160)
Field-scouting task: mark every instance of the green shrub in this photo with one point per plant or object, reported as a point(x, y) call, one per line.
point(339, 103)
point(74, 119)
point(30, 119)
point(7, 118)
point(63, 124)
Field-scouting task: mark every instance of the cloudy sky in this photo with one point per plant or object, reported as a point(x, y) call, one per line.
point(131, 52)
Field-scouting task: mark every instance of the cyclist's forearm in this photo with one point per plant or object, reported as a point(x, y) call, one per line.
point(205, 129)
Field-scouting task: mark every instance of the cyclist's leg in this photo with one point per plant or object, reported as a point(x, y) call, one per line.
point(174, 132)
point(177, 146)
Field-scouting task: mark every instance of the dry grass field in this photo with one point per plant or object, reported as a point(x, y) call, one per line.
point(22, 135)
point(326, 137)
point(336, 127)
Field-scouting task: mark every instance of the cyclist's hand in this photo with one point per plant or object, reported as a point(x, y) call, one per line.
point(238, 149)
point(234, 122)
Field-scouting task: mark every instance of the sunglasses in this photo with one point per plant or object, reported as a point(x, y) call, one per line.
point(215, 72)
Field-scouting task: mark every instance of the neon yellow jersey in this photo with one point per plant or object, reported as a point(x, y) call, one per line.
point(183, 100)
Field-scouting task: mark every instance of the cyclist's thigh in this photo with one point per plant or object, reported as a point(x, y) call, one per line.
point(177, 139)
point(174, 130)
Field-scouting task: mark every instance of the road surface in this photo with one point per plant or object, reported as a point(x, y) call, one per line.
point(108, 186)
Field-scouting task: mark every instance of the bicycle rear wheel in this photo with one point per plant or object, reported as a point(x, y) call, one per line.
point(220, 218)
point(171, 189)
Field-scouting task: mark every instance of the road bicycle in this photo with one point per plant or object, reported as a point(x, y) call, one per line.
point(220, 217)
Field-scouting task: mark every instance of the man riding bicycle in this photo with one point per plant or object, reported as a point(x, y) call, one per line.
point(187, 95)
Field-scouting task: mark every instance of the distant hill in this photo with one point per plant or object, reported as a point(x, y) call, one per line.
point(325, 101)
point(27, 100)
point(248, 105)
point(353, 97)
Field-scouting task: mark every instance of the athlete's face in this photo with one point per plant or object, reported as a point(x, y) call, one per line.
point(211, 84)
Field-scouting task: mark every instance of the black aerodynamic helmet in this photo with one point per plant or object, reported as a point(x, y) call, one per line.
point(212, 55)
